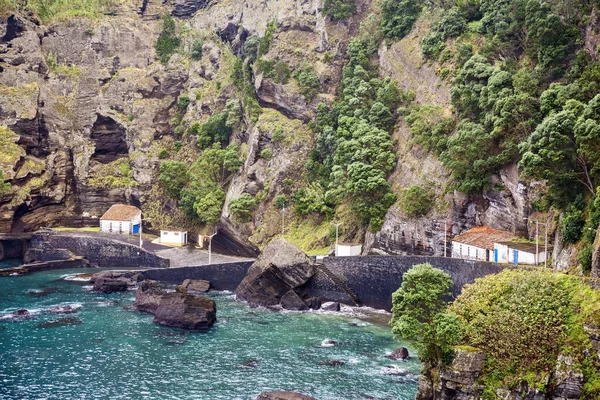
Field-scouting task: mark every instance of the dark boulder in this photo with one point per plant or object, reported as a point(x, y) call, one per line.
point(330, 306)
point(187, 8)
point(194, 286)
point(280, 268)
point(131, 278)
point(280, 395)
point(186, 311)
point(148, 296)
point(107, 285)
point(250, 364)
point(291, 301)
point(314, 303)
point(400, 353)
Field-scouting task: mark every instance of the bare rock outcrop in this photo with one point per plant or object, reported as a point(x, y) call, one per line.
point(280, 268)
point(193, 286)
point(148, 296)
point(185, 311)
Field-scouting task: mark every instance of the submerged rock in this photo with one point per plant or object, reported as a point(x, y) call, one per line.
point(250, 364)
point(399, 354)
point(280, 395)
point(148, 296)
point(279, 269)
point(185, 311)
point(60, 322)
point(331, 363)
point(44, 292)
point(62, 310)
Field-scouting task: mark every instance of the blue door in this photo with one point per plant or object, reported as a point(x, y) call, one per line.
point(516, 257)
point(136, 229)
point(495, 255)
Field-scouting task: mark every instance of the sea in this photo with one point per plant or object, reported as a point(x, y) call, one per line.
point(106, 350)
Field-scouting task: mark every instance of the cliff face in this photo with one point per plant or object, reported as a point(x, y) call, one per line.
point(86, 112)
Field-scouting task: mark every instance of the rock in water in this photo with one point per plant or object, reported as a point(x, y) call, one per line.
point(131, 278)
point(279, 395)
point(185, 311)
point(331, 363)
point(60, 322)
point(330, 306)
point(291, 301)
point(107, 285)
point(399, 354)
point(194, 286)
point(281, 267)
point(148, 296)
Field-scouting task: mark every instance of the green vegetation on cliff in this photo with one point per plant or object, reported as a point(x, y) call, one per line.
point(54, 10)
point(525, 320)
point(418, 314)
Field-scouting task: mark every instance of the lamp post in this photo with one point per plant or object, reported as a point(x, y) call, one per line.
point(210, 247)
point(336, 236)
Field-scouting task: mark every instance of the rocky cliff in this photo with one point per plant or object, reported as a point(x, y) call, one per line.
point(87, 112)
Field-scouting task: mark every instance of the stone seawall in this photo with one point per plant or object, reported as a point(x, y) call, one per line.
point(374, 278)
point(221, 276)
point(99, 251)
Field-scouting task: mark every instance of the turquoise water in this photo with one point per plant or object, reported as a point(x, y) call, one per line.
point(115, 353)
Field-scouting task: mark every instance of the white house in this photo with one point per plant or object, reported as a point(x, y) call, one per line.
point(478, 243)
point(347, 250)
point(174, 238)
point(121, 218)
point(520, 253)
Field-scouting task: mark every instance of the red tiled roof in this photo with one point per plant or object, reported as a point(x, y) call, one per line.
point(121, 212)
point(483, 237)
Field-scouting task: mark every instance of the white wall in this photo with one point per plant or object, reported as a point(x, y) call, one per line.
point(461, 250)
point(347, 251)
point(506, 255)
point(173, 237)
point(115, 226)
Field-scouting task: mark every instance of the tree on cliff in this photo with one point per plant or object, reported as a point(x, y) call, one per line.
point(418, 314)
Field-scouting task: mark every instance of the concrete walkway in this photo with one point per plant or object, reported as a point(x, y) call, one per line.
point(190, 256)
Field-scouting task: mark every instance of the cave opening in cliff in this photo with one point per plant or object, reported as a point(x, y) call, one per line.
point(109, 140)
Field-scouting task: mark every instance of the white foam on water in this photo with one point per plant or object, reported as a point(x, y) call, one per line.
point(327, 343)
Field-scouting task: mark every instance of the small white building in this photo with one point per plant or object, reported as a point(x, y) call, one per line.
point(520, 253)
point(174, 238)
point(348, 249)
point(121, 218)
point(478, 243)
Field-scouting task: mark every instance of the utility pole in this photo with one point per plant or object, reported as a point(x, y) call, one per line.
point(141, 221)
point(537, 241)
point(546, 246)
point(210, 247)
point(336, 236)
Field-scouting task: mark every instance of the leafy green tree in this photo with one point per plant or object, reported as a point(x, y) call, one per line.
point(398, 17)
point(243, 207)
point(339, 9)
point(251, 47)
point(196, 53)
point(215, 130)
point(204, 195)
point(183, 102)
point(573, 222)
point(173, 177)
point(308, 82)
point(167, 42)
point(281, 201)
point(419, 314)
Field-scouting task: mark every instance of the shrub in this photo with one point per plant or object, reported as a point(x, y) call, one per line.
point(251, 47)
point(585, 258)
point(339, 9)
point(266, 153)
point(416, 201)
point(267, 39)
point(572, 224)
point(183, 102)
point(196, 53)
point(398, 17)
point(523, 320)
point(177, 146)
point(308, 82)
point(173, 177)
point(167, 42)
point(281, 201)
point(215, 130)
point(4, 186)
point(278, 135)
point(163, 154)
point(243, 207)
point(179, 130)
point(282, 72)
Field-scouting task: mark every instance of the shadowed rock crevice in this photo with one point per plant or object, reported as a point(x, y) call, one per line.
point(109, 139)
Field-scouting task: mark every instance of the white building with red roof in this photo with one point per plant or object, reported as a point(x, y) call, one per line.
point(478, 243)
point(121, 218)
